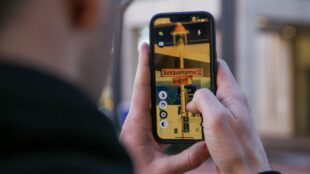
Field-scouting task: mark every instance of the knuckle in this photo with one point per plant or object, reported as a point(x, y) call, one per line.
point(126, 137)
point(241, 97)
point(193, 160)
point(198, 93)
point(218, 120)
point(201, 93)
point(126, 133)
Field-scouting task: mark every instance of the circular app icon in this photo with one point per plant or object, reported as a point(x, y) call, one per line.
point(163, 105)
point(163, 114)
point(163, 95)
point(163, 124)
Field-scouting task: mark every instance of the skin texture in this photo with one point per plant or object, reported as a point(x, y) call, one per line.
point(231, 138)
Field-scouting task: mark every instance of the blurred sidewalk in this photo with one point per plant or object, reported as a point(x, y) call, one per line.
point(287, 156)
point(291, 164)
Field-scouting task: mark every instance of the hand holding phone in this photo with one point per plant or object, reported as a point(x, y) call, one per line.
point(230, 133)
point(230, 151)
point(147, 154)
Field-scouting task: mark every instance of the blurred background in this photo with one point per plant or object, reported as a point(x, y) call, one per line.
point(267, 46)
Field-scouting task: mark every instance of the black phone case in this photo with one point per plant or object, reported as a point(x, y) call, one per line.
point(213, 62)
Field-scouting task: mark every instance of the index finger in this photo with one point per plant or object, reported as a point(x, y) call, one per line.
point(226, 83)
point(141, 96)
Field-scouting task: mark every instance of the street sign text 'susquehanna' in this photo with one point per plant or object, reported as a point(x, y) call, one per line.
point(194, 72)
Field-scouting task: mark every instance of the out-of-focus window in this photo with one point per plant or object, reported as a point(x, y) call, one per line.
point(283, 80)
point(274, 76)
point(302, 81)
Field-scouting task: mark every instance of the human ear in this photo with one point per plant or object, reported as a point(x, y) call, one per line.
point(84, 13)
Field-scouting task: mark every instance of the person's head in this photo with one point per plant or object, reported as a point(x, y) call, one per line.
point(71, 39)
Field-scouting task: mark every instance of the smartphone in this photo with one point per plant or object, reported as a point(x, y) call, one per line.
point(182, 60)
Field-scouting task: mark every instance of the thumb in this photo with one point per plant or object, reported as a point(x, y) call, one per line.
point(206, 103)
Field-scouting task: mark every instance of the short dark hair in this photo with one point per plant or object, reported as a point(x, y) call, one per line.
point(6, 8)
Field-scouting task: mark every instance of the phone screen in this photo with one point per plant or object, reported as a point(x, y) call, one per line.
point(182, 65)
